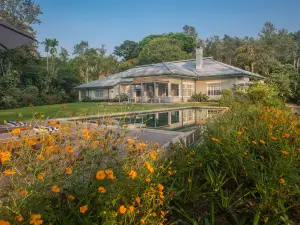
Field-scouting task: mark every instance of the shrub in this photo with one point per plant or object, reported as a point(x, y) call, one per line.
point(262, 93)
point(199, 97)
point(226, 98)
point(86, 99)
point(122, 97)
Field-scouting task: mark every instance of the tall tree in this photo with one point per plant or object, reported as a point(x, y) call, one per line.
point(190, 30)
point(47, 44)
point(162, 50)
point(127, 50)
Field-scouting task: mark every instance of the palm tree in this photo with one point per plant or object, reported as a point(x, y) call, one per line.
point(47, 44)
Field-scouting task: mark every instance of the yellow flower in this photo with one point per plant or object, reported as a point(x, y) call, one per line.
point(71, 197)
point(154, 214)
point(9, 172)
point(201, 164)
point(122, 209)
point(100, 175)
point(41, 157)
point(149, 167)
point(130, 208)
point(262, 142)
point(18, 219)
point(245, 128)
point(31, 142)
point(41, 176)
point(16, 131)
point(36, 219)
point(282, 180)
point(83, 209)
point(215, 139)
point(110, 174)
point(153, 155)
point(160, 187)
point(285, 152)
point(133, 174)
point(189, 180)
point(138, 200)
point(162, 197)
point(55, 189)
point(240, 133)
point(148, 180)
point(101, 189)
point(69, 149)
point(69, 170)
point(5, 156)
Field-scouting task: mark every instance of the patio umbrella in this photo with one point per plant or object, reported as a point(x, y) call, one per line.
point(11, 37)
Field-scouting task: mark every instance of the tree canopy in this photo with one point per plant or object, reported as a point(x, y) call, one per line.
point(27, 76)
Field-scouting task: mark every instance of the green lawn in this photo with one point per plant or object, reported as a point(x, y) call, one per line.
point(82, 109)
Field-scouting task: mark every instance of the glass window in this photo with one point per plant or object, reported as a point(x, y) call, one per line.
point(99, 93)
point(214, 89)
point(187, 89)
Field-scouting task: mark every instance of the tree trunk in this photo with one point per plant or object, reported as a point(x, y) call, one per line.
point(298, 65)
point(252, 67)
point(47, 62)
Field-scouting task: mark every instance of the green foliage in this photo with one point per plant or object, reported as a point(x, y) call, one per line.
point(185, 41)
point(226, 97)
point(246, 166)
point(127, 50)
point(162, 50)
point(263, 93)
point(199, 97)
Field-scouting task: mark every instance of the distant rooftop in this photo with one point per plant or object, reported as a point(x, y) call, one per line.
point(183, 69)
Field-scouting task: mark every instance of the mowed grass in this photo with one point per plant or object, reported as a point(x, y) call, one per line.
point(83, 109)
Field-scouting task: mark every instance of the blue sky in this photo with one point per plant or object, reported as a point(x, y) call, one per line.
point(110, 22)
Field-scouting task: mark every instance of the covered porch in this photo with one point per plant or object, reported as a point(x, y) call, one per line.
point(155, 92)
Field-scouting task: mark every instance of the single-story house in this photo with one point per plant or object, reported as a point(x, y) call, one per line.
point(168, 82)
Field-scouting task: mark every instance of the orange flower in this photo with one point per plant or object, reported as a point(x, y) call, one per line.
point(130, 208)
point(273, 138)
point(36, 219)
point(285, 152)
point(282, 180)
point(69, 149)
point(160, 187)
point(215, 139)
point(262, 142)
point(286, 135)
point(69, 170)
point(148, 180)
point(101, 189)
point(110, 174)
point(122, 209)
point(240, 133)
point(5, 156)
point(31, 142)
point(138, 200)
point(100, 175)
point(18, 219)
point(83, 209)
point(142, 221)
point(24, 192)
point(16, 131)
point(71, 197)
point(201, 164)
point(133, 174)
point(9, 172)
point(41, 176)
point(254, 142)
point(55, 189)
point(3, 222)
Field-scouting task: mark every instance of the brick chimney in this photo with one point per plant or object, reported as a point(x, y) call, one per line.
point(199, 57)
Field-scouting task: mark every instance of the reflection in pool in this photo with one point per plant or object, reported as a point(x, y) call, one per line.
point(176, 120)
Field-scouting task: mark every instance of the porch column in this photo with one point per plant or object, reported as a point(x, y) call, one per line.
point(169, 118)
point(179, 90)
point(142, 93)
point(155, 89)
point(79, 95)
point(155, 119)
point(169, 92)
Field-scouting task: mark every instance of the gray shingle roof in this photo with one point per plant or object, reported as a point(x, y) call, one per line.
point(186, 68)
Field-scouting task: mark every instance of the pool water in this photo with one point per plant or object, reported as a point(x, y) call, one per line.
point(174, 120)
